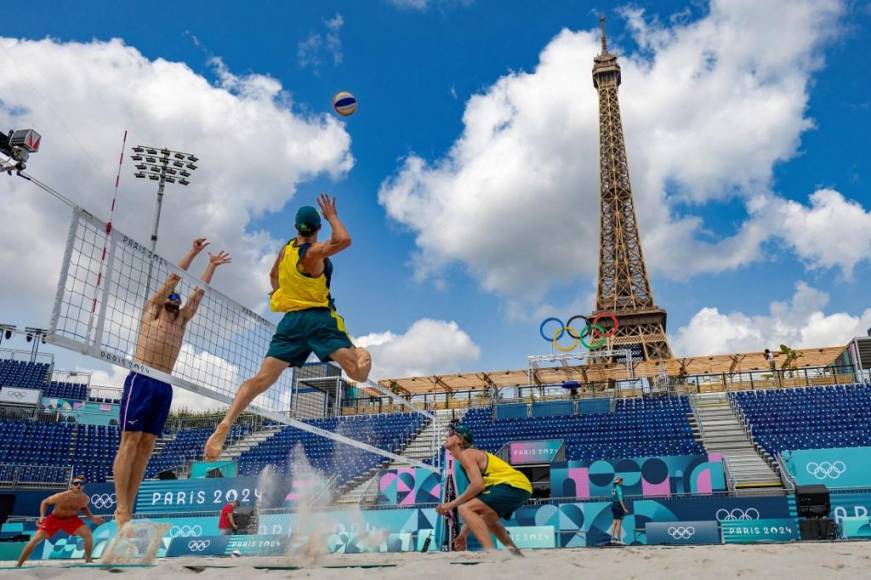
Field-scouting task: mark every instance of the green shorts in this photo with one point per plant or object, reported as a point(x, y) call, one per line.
point(302, 332)
point(504, 499)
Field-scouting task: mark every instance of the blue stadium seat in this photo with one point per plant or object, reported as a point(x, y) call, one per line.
point(807, 418)
point(643, 427)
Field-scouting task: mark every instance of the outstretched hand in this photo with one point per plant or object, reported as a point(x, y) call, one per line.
point(219, 259)
point(199, 245)
point(328, 206)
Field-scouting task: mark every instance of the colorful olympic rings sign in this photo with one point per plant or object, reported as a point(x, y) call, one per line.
point(591, 329)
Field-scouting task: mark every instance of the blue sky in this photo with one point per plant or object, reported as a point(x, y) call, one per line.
point(415, 70)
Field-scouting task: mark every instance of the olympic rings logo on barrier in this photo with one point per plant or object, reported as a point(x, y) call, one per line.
point(592, 329)
point(104, 500)
point(199, 545)
point(737, 514)
point(15, 394)
point(185, 531)
point(681, 533)
point(826, 470)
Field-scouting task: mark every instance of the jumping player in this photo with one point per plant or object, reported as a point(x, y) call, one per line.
point(495, 490)
point(145, 402)
point(300, 281)
point(64, 516)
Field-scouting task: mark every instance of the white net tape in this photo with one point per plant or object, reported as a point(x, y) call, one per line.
point(99, 307)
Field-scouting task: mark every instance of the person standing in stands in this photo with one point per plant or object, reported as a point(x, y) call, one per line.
point(226, 523)
point(300, 279)
point(495, 490)
point(64, 516)
point(145, 401)
point(618, 510)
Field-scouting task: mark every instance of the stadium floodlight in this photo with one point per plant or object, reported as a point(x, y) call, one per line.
point(37, 336)
point(184, 173)
point(141, 166)
point(193, 159)
point(192, 167)
point(160, 171)
point(6, 331)
point(138, 149)
point(17, 146)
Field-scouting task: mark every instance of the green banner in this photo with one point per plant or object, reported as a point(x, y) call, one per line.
point(750, 531)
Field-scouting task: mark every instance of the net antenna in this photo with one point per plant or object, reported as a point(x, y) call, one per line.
point(98, 311)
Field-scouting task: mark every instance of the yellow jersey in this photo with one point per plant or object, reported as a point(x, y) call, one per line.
point(498, 472)
point(299, 291)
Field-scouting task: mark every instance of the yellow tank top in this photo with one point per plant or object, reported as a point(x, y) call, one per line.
point(297, 291)
point(498, 472)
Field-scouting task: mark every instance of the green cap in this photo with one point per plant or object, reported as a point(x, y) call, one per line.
point(463, 432)
point(307, 219)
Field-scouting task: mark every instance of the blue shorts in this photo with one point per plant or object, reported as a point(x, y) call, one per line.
point(145, 404)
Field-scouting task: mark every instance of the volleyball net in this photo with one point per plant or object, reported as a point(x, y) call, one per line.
point(108, 294)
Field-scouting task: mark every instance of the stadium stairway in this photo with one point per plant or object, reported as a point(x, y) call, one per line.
point(364, 488)
point(723, 432)
point(234, 450)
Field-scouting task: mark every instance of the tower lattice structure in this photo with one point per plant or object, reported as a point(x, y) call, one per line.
point(624, 287)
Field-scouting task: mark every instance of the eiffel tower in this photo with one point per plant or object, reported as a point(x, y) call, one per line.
point(624, 288)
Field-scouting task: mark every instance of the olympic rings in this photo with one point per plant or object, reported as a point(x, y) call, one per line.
point(561, 348)
point(826, 470)
point(199, 545)
point(103, 500)
point(592, 329)
point(681, 532)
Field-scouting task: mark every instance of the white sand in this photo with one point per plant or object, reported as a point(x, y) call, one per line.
point(801, 560)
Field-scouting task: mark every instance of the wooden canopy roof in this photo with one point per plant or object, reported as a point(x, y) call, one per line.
point(597, 372)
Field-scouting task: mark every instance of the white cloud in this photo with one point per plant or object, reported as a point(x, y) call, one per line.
point(312, 51)
point(709, 107)
point(832, 232)
point(423, 5)
point(427, 347)
point(799, 323)
point(254, 151)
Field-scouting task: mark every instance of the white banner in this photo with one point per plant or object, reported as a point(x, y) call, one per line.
point(19, 396)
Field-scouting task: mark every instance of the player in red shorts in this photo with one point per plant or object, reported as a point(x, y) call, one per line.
point(64, 516)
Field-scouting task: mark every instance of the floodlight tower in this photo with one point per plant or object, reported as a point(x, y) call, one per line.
point(163, 166)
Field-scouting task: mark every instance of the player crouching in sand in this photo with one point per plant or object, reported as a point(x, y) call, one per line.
point(495, 490)
point(64, 516)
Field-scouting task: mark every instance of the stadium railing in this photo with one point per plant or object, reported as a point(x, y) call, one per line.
point(679, 385)
point(34, 476)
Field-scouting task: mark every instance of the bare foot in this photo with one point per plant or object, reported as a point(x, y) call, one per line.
point(122, 516)
point(215, 444)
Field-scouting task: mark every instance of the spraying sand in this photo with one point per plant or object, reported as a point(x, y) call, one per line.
point(806, 560)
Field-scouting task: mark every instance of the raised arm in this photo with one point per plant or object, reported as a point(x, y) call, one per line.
point(339, 236)
point(215, 260)
point(156, 300)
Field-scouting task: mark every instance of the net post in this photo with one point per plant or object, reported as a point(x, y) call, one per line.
point(64, 272)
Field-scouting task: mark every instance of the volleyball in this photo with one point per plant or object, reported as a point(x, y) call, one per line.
point(235, 554)
point(345, 103)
